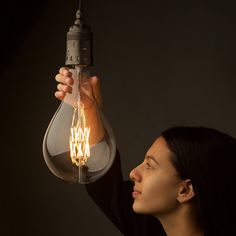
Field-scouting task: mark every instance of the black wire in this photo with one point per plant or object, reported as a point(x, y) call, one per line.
point(80, 4)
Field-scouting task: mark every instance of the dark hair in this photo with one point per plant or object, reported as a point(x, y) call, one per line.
point(208, 158)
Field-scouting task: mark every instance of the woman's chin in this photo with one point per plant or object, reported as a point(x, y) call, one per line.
point(138, 208)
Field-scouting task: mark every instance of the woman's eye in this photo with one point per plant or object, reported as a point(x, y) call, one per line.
point(148, 166)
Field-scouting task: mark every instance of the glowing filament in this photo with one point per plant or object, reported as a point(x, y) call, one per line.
point(79, 138)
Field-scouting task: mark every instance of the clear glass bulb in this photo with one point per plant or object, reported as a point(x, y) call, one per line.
point(79, 145)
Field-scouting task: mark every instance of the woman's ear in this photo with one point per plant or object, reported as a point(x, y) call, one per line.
point(186, 191)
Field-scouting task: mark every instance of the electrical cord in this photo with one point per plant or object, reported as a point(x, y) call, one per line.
point(80, 4)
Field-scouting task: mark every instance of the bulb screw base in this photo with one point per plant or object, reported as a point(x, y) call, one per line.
point(79, 43)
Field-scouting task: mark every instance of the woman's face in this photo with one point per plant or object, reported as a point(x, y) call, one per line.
point(156, 181)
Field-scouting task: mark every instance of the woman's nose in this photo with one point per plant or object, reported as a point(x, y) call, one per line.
point(135, 175)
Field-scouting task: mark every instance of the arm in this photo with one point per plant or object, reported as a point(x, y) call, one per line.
point(111, 193)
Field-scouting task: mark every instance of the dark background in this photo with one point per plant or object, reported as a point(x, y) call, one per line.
point(161, 63)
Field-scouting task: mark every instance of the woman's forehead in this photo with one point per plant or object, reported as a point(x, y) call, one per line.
point(159, 149)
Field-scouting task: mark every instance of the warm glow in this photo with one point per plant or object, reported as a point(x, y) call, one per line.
point(79, 139)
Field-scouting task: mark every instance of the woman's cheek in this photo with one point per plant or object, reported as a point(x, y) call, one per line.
point(151, 188)
point(158, 195)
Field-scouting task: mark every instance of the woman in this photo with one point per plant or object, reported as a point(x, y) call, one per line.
point(184, 186)
point(187, 181)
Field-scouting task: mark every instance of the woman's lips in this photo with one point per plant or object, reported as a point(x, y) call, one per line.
point(135, 193)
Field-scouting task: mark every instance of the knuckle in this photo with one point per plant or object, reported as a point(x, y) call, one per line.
point(65, 88)
point(69, 89)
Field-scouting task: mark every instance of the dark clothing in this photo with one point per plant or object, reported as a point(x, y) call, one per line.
point(114, 197)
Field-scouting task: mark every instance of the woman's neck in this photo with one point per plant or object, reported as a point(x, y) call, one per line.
point(181, 222)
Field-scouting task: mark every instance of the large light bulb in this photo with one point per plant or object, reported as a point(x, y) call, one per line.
point(79, 145)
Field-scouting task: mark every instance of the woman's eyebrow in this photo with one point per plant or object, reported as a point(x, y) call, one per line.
point(152, 158)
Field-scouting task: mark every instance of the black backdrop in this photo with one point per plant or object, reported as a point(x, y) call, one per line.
point(161, 63)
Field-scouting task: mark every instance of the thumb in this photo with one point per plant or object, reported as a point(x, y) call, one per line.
point(97, 90)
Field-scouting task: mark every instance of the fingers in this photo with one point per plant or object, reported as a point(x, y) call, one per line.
point(60, 95)
point(64, 88)
point(62, 91)
point(64, 79)
point(65, 71)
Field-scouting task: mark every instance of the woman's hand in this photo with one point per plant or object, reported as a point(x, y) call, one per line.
point(90, 94)
point(90, 88)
